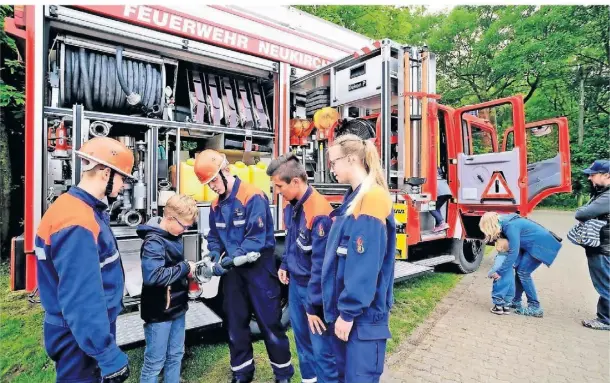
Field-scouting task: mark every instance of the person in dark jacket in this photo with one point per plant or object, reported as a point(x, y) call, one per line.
point(530, 245)
point(164, 299)
point(599, 257)
point(307, 221)
point(358, 267)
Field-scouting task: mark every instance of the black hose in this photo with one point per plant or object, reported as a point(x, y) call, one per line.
point(85, 84)
point(98, 81)
point(119, 61)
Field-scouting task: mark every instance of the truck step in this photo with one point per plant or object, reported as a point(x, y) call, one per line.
point(130, 327)
point(406, 270)
point(431, 235)
point(431, 262)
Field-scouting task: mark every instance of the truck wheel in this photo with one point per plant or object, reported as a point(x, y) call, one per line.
point(468, 254)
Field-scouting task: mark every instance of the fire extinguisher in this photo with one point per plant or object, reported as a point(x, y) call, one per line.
point(62, 144)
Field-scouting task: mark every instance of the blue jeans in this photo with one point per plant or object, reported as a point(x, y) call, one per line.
point(599, 268)
point(164, 350)
point(503, 290)
point(438, 216)
point(315, 351)
point(525, 266)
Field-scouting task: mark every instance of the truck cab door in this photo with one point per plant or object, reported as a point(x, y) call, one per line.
point(548, 159)
point(489, 178)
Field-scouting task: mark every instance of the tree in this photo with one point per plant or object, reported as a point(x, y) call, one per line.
point(12, 101)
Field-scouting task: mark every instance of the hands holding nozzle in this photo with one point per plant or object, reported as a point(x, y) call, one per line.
point(211, 265)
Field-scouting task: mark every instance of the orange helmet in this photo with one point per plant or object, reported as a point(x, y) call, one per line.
point(108, 152)
point(208, 164)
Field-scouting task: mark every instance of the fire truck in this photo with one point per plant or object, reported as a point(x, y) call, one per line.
point(251, 82)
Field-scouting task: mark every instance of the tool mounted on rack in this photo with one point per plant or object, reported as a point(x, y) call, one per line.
point(245, 107)
point(201, 109)
point(260, 114)
point(214, 100)
point(231, 117)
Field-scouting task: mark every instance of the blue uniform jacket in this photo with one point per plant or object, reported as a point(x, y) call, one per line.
point(358, 269)
point(241, 223)
point(526, 235)
point(307, 227)
point(164, 274)
point(80, 275)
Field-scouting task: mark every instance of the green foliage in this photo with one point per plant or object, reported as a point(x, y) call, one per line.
point(490, 52)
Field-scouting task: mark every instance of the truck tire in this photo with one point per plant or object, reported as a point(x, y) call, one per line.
point(468, 254)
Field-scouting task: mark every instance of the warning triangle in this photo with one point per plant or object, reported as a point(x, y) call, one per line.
point(497, 189)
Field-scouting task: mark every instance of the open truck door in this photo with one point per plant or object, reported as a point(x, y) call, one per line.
point(512, 177)
point(548, 159)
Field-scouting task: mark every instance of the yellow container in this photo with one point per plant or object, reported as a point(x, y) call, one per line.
point(209, 194)
point(259, 178)
point(240, 170)
point(189, 183)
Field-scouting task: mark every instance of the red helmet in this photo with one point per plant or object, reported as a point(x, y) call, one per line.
point(208, 164)
point(108, 152)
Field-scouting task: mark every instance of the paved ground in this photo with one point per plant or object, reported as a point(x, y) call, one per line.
point(463, 342)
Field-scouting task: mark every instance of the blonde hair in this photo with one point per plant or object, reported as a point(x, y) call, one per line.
point(182, 206)
point(366, 152)
point(502, 245)
point(490, 226)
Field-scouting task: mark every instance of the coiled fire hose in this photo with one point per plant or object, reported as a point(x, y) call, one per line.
point(92, 78)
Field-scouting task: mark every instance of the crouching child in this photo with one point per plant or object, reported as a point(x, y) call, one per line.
point(164, 300)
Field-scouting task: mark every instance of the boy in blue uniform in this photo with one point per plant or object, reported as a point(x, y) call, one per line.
point(165, 288)
point(241, 223)
point(358, 269)
point(80, 275)
point(307, 221)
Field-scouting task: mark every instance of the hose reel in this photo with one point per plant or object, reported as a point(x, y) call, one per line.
point(106, 78)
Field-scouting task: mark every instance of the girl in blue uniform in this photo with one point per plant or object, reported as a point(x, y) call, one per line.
point(358, 268)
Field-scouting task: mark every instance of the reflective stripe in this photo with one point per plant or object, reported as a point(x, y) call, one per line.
point(304, 248)
point(312, 380)
point(342, 250)
point(281, 365)
point(246, 364)
point(40, 253)
point(240, 222)
point(110, 260)
point(221, 225)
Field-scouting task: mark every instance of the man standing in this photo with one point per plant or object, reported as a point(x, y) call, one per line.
point(308, 224)
point(241, 223)
point(80, 275)
point(599, 257)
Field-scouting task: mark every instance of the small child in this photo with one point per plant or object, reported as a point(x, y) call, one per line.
point(501, 285)
point(164, 299)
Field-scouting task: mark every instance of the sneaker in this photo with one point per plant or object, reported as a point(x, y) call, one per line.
point(514, 305)
point(498, 310)
point(596, 324)
point(535, 312)
point(506, 310)
point(441, 227)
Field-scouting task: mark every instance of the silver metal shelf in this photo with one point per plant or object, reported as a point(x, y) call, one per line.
point(144, 121)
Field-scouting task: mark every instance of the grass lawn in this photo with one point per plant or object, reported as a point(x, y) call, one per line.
point(23, 359)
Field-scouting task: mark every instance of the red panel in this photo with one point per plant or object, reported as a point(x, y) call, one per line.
point(195, 28)
point(430, 151)
point(413, 224)
point(30, 126)
point(454, 142)
point(278, 27)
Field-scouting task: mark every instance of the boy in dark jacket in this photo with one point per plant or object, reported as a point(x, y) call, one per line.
point(165, 288)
